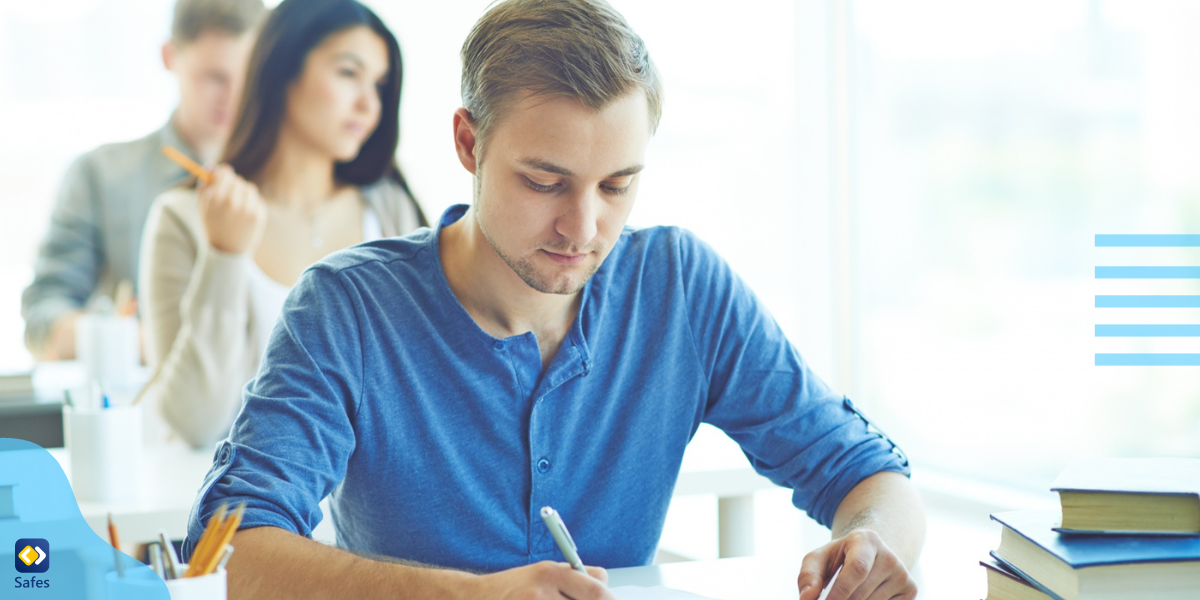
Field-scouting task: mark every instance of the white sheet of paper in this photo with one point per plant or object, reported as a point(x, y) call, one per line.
point(658, 592)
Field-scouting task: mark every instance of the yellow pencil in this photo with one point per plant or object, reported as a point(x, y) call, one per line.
point(206, 539)
point(213, 555)
point(214, 523)
point(188, 164)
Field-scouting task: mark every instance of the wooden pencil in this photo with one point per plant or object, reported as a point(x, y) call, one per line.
point(116, 544)
point(214, 524)
point(188, 164)
point(217, 544)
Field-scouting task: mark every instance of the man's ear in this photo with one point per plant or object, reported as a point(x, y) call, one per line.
point(465, 142)
point(168, 55)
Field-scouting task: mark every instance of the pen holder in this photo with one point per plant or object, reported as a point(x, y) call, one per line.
point(105, 445)
point(143, 583)
point(207, 587)
point(108, 349)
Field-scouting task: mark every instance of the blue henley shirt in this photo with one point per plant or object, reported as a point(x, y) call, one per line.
point(439, 443)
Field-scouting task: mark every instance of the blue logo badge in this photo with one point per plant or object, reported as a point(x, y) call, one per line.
point(33, 555)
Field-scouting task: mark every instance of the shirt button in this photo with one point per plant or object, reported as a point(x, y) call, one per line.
point(499, 346)
point(543, 465)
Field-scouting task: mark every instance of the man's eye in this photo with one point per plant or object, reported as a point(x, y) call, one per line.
point(347, 73)
point(537, 187)
point(616, 191)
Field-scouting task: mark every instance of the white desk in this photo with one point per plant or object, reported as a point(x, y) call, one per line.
point(759, 578)
point(172, 475)
point(949, 570)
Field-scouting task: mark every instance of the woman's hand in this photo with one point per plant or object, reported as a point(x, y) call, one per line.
point(233, 212)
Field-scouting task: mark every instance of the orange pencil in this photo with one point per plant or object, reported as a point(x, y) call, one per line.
point(116, 544)
point(188, 164)
point(112, 533)
point(214, 524)
point(206, 539)
point(213, 555)
point(218, 542)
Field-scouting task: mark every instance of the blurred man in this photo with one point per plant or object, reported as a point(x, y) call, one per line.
point(95, 229)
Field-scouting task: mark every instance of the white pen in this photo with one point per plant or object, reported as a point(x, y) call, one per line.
point(558, 529)
point(225, 558)
point(170, 558)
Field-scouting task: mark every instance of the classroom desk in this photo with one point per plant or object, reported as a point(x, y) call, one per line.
point(764, 578)
point(747, 578)
point(949, 568)
point(172, 475)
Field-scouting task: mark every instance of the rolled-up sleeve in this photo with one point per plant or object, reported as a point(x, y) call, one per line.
point(795, 430)
point(291, 442)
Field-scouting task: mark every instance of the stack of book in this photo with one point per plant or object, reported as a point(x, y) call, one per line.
point(1129, 529)
point(16, 386)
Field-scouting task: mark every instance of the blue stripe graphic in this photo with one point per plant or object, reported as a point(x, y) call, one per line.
point(1147, 301)
point(1148, 360)
point(1148, 331)
point(1147, 241)
point(1147, 272)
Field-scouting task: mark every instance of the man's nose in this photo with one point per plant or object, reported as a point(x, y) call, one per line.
point(578, 220)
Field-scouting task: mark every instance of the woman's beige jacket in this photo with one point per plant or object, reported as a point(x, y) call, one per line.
point(197, 313)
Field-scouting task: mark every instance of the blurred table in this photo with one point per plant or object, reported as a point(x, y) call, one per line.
point(171, 477)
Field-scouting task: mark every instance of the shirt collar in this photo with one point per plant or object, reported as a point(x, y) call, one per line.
point(575, 337)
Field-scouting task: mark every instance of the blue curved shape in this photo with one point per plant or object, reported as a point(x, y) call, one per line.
point(43, 507)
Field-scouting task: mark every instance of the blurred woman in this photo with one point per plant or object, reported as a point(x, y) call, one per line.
point(309, 169)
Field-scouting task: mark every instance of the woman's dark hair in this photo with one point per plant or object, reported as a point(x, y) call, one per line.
point(292, 30)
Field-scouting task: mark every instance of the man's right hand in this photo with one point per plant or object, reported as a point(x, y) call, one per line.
point(233, 212)
point(543, 581)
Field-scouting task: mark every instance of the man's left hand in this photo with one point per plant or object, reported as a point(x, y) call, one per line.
point(870, 570)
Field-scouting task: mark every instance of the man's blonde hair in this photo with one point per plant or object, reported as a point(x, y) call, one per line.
point(194, 17)
point(582, 49)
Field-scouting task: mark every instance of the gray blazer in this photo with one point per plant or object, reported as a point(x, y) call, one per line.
point(96, 227)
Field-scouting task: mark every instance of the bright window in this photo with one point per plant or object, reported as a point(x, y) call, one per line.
point(992, 142)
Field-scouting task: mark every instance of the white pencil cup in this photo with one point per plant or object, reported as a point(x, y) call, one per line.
point(143, 583)
point(206, 587)
point(108, 349)
point(105, 445)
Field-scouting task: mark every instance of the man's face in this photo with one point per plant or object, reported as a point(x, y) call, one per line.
point(211, 70)
point(556, 183)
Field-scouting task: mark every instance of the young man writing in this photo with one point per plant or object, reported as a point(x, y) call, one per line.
point(95, 229)
point(530, 350)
